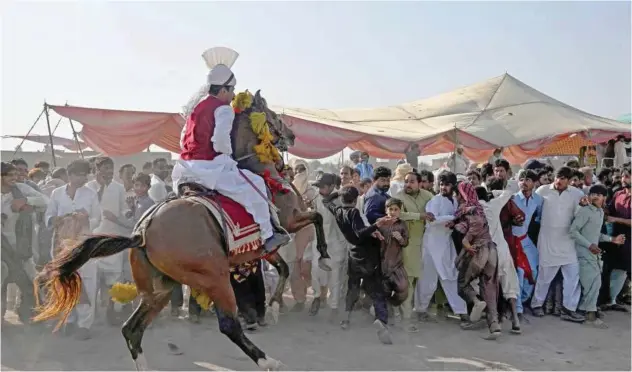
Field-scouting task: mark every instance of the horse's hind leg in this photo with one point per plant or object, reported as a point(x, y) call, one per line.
point(226, 308)
point(153, 300)
point(276, 300)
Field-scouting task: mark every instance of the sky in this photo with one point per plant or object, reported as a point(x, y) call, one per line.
point(147, 55)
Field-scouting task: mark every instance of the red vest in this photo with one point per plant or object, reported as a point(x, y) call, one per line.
point(196, 143)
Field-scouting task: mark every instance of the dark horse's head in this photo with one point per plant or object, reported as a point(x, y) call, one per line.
point(283, 136)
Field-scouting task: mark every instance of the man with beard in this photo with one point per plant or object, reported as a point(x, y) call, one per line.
point(112, 199)
point(363, 257)
point(19, 201)
point(414, 201)
point(438, 257)
point(556, 247)
point(523, 249)
point(375, 199)
point(427, 181)
point(78, 200)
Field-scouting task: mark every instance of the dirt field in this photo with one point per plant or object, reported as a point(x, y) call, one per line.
point(313, 343)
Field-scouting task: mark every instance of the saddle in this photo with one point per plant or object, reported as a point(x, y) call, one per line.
point(241, 233)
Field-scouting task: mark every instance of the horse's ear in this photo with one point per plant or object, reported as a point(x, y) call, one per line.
point(258, 94)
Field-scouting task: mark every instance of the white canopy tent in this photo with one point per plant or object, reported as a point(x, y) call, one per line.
point(499, 112)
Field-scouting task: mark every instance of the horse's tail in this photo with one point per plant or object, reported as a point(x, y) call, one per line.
point(62, 283)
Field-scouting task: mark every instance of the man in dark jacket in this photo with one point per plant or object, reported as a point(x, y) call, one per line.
point(364, 257)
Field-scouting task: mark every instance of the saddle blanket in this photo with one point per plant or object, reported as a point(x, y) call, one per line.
point(241, 232)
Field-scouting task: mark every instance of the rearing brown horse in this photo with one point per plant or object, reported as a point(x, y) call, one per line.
point(179, 241)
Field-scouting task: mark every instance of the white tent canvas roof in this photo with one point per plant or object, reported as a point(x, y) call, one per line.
point(499, 112)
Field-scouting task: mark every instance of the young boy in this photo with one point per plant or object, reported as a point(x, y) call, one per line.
point(394, 277)
point(140, 202)
point(586, 231)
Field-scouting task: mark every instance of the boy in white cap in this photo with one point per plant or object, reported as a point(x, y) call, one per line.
point(206, 156)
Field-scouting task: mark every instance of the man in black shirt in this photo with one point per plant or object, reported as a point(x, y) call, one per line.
point(364, 256)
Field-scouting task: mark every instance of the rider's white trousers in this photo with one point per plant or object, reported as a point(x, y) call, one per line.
point(222, 175)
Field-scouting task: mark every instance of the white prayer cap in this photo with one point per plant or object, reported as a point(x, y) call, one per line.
point(221, 75)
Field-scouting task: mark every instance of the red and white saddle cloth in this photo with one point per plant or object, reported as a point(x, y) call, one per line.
point(241, 232)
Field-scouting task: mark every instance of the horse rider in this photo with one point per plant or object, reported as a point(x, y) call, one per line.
point(206, 156)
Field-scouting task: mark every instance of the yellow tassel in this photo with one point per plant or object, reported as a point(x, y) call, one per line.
point(123, 292)
point(202, 299)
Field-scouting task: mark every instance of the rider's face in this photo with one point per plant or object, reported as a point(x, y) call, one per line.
point(226, 94)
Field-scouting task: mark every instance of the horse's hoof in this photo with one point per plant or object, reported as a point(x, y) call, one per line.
point(274, 312)
point(141, 363)
point(322, 264)
point(269, 364)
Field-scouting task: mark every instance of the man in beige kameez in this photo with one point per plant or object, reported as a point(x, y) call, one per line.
point(414, 213)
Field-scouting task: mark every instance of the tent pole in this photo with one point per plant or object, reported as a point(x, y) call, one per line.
point(29, 132)
point(50, 135)
point(456, 144)
point(57, 125)
point(74, 133)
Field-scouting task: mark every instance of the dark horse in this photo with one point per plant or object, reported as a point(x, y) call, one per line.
point(179, 241)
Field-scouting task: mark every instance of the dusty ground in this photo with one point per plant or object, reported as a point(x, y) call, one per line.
point(313, 343)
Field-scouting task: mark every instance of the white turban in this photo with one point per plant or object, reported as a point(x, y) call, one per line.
point(219, 60)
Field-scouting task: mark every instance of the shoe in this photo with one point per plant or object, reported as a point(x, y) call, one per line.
point(298, 307)
point(313, 310)
point(597, 323)
point(382, 333)
point(425, 317)
point(82, 334)
point(344, 324)
point(477, 311)
point(494, 331)
point(537, 311)
point(557, 311)
point(275, 241)
point(571, 316)
point(261, 320)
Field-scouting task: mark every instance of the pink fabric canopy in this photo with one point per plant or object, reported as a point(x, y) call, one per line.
point(119, 132)
point(70, 144)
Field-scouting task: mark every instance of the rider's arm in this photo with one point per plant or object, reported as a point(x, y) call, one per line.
point(224, 116)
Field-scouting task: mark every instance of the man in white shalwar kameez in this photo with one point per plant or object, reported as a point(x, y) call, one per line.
point(206, 156)
point(439, 255)
point(507, 276)
point(333, 281)
point(76, 197)
point(111, 196)
point(556, 246)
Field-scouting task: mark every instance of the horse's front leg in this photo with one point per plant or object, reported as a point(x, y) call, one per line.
point(304, 219)
point(276, 300)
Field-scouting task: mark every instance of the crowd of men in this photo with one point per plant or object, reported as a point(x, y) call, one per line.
point(482, 243)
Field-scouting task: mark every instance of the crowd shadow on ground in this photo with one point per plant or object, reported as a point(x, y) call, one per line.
point(316, 343)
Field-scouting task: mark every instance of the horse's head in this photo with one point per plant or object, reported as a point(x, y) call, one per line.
point(283, 136)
